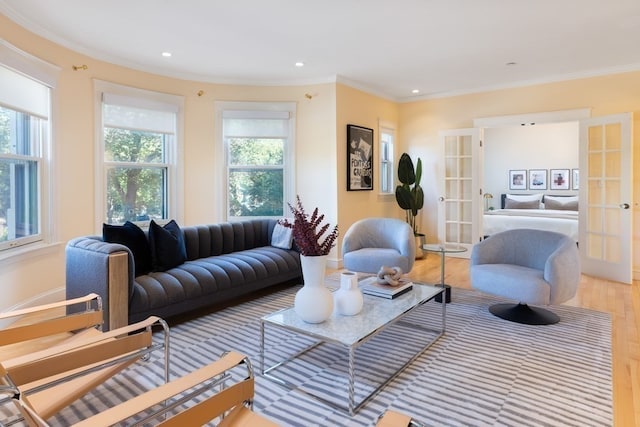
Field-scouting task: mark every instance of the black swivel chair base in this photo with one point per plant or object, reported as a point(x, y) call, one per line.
point(522, 313)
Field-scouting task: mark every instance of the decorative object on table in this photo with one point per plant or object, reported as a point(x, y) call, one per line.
point(410, 196)
point(359, 158)
point(348, 299)
point(314, 302)
point(389, 275)
point(370, 286)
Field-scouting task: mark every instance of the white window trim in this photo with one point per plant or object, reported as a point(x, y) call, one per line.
point(47, 74)
point(221, 152)
point(175, 153)
point(388, 126)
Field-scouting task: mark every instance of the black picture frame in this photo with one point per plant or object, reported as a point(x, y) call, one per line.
point(359, 158)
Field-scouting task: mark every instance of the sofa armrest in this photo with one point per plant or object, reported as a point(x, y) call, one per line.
point(102, 268)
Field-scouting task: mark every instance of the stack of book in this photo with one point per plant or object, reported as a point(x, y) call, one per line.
point(370, 286)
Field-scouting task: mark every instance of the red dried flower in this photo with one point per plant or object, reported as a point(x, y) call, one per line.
point(306, 234)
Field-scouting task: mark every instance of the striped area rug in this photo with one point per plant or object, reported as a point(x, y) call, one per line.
point(483, 372)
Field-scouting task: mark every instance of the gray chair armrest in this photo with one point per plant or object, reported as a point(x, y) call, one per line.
point(563, 266)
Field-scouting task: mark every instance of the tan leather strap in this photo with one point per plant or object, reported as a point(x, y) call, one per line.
point(44, 328)
point(16, 313)
point(88, 341)
point(393, 419)
point(166, 391)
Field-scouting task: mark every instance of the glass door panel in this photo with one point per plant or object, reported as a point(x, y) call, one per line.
point(605, 197)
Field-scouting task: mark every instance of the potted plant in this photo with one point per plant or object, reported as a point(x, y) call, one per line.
point(410, 196)
point(314, 302)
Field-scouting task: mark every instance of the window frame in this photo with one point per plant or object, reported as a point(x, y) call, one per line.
point(385, 128)
point(173, 155)
point(260, 109)
point(46, 75)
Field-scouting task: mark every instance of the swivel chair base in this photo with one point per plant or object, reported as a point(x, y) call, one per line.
point(522, 313)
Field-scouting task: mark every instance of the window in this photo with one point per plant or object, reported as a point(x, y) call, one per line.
point(138, 144)
point(24, 145)
point(387, 137)
point(258, 144)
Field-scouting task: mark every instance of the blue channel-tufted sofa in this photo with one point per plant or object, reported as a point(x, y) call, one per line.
point(224, 261)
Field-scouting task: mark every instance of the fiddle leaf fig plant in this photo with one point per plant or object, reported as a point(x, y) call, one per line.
point(409, 194)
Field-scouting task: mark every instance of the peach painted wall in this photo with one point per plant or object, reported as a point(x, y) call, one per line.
point(421, 121)
point(362, 109)
point(41, 273)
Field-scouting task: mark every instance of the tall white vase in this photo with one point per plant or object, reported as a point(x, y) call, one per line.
point(348, 300)
point(314, 302)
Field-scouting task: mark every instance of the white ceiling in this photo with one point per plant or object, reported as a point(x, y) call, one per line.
point(386, 47)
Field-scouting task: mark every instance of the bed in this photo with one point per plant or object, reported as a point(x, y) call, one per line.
point(549, 212)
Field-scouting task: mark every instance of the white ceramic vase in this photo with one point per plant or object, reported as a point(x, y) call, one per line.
point(348, 300)
point(314, 302)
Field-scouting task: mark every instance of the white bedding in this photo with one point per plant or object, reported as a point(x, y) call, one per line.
point(561, 221)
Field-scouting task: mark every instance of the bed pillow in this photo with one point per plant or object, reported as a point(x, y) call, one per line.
point(524, 198)
point(514, 204)
point(131, 236)
point(167, 245)
point(569, 203)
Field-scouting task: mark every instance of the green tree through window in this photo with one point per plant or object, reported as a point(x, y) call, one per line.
point(256, 176)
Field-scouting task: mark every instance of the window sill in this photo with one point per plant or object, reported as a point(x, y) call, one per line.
point(32, 250)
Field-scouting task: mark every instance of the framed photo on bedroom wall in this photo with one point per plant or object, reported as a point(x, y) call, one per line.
point(359, 158)
point(559, 179)
point(518, 179)
point(537, 179)
point(575, 179)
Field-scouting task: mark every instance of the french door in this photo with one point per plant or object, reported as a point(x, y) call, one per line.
point(459, 204)
point(605, 197)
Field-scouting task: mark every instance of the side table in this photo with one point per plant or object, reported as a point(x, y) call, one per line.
point(443, 250)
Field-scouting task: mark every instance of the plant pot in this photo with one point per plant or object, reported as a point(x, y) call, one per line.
point(314, 302)
point(420, 240)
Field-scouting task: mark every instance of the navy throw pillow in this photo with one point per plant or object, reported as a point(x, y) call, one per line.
point(167, 245)
point(134, 238)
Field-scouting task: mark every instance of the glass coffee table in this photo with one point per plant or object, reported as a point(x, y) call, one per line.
point(351, 332)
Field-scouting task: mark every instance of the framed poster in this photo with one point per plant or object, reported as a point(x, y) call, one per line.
point(359, 158)
point(518, 179)
point(559, 179)
point(575, 179)
point(537, 179)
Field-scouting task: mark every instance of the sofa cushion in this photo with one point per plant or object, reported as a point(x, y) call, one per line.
point(282, 236)
point(131, 236)
point(167, 246)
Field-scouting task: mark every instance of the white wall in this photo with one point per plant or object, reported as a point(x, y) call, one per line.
point(541, 146)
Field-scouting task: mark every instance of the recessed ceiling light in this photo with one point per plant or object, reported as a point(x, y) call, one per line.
point(166, 54)
point(415, 91)
point(299, 64)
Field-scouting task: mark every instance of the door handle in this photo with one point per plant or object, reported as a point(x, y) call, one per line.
point(624, 205)
point(441, 199)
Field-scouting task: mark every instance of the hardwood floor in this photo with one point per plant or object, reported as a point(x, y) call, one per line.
point(620, 300)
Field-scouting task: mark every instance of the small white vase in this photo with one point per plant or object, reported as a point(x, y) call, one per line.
point(348, 300)
point(314, 302)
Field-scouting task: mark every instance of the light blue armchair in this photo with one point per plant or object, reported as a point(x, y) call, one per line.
point(371, 243)
point(529, 266)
